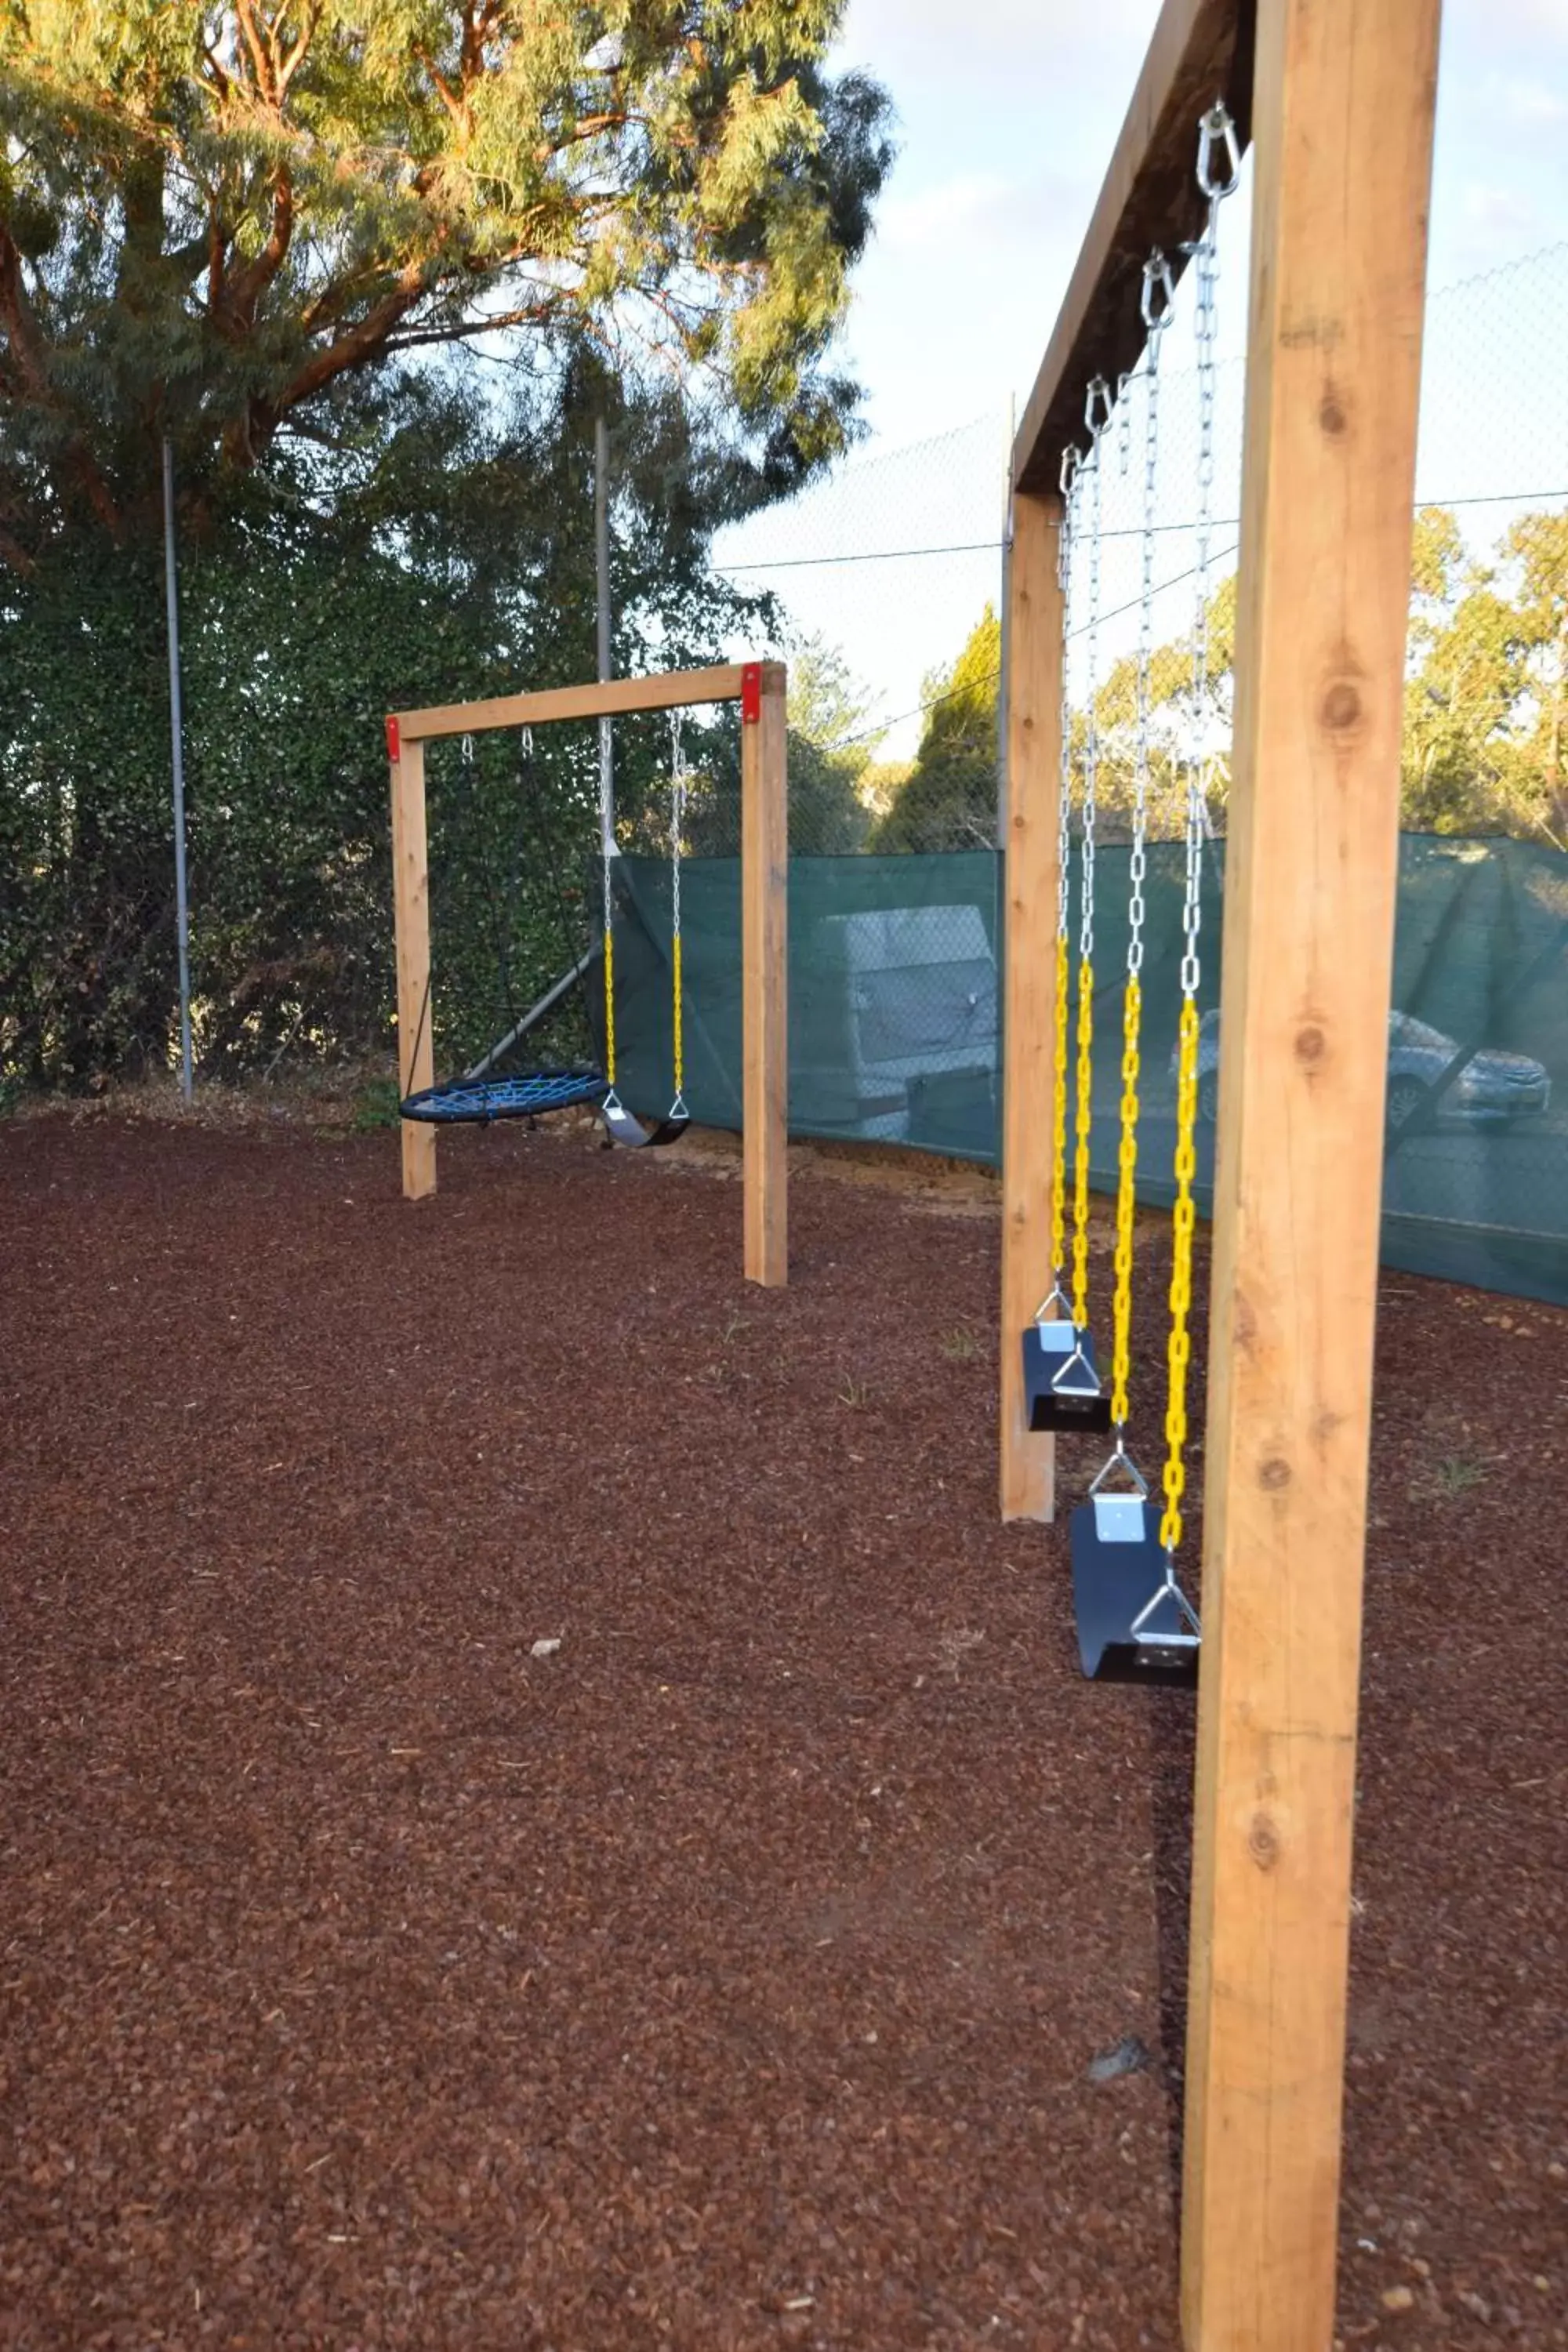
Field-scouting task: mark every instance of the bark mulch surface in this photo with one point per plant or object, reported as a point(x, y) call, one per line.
point(733, 1975)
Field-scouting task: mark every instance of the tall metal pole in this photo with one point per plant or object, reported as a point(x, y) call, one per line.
point(177, 732)
point(602, 603)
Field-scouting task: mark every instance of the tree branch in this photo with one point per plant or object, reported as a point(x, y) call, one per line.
point(359, 345)
point(530, 317)
point(245, 13)
point(244, 295)
point(297, 54)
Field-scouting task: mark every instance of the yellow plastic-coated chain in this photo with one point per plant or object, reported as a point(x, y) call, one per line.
point(609, 1005)
point(1059, 1117)
point(1126, 1198)
point(679, 1024)
point(1179, 1348)
point(1080, 1132)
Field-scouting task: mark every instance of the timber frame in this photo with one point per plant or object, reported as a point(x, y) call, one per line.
point(1337, 98)
point(759, 688)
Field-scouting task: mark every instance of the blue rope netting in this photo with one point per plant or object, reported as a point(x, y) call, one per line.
point(513, 1098)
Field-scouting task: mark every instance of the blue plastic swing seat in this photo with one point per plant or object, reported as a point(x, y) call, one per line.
point(521, 1096)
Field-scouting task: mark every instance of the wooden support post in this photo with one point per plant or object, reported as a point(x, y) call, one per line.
point(411, 918)
point(764, 883)
point(1342, 125)
point(1032, 848)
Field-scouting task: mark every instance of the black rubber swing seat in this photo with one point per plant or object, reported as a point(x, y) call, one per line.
point(523, 1095)
point(624, 1126)
point(1132, 1626)
point(1062, 1388)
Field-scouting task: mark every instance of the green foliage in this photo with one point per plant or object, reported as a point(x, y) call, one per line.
point(832, 739)
point(375, 1106)
point(458, 564)
point(274, 233)
point(230, 224)
point(1486, 704)
point(948, 800)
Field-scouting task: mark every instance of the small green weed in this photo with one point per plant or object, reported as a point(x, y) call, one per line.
point(854, 1392)
point(375, 1104)
point(1448, 1478)
point(961, 1344)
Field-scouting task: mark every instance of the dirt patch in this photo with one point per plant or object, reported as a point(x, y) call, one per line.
point(794, 1955)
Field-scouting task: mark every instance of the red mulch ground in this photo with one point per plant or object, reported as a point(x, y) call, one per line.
point(731, 1978)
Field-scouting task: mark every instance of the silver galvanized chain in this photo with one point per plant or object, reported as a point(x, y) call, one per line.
point(607, 850)
point(1097, 416)
point(1159, 293)
point(1216, 131)
point(1072, 479)
point(677, 820)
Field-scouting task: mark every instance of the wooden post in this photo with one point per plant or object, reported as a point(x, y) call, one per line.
point(765, 881)
point(1342, 125)
point(1032, 849)
point(411, 918)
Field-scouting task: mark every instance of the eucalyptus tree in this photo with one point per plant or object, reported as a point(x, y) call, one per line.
point(218, 221)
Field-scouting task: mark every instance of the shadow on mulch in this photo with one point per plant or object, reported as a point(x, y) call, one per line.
point(542, 1809)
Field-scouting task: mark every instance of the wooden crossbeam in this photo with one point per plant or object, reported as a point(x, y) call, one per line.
point(609, 697)
point(1200, 51)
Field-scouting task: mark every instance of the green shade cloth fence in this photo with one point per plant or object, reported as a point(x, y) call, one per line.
point(894, 1032)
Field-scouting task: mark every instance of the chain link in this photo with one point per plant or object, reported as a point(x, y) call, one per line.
point(1098, 417)
point(1156, 316)
point(1071, 485)
point(1215, 127)
point(608, 851)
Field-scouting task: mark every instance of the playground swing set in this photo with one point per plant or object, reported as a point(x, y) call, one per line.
point(1334, 96)
point(478, 1096)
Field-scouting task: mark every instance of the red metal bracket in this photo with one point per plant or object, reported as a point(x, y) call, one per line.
point(394, 750)
point(750, 693)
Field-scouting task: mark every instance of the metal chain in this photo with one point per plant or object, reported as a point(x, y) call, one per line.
point(1159, 295)
point(677, 819)
point(1071, 479)
point(1098, 417)
point(1156, 310)
point(1072, 490)
point(1215, 129)
point(607, 845)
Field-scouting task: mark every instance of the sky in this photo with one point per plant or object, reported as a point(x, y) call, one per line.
point(1005, 132)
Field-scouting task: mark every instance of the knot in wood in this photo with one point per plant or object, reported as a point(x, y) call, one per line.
point(1263, 1841)
point(1274, 1474)
point(1310, 1045)
point(1340, 707)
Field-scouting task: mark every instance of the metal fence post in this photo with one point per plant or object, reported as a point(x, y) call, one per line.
point(176, 734)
